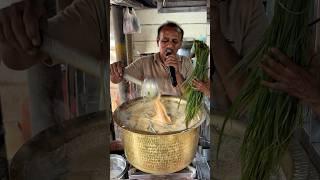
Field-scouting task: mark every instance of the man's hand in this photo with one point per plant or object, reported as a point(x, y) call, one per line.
point(203, 87)
point(116, 72)
point(172, 60)
point(291, 78)
point(20, 33)
point(20, 25)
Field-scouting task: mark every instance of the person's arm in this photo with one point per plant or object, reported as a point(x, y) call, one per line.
point(116, 72)
point(136, 68)
point(201, 86)
point(68, 27)
point(225, 55)
point(292, 79)
point(77, 26)
point(180, 79)
point(20, 34)
point(185, 72)
point(173, 60)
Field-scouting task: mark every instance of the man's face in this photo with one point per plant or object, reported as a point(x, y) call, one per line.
point(169, 38)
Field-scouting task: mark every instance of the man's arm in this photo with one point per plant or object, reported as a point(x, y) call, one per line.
point(225, 58)
point(116, 72)
point(225, 55)
point(186, 71)
point(180, 79)
point(19, 33)
point(77, 26)
point(183, 69)
point(68, 27)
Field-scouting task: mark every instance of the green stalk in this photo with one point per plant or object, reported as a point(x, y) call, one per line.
point(272, 116)
point(194, 97)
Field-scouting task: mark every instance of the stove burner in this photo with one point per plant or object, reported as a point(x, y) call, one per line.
point(188, 173)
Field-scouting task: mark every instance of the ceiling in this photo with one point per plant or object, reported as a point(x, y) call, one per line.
point(138, 4)
point(164, 3)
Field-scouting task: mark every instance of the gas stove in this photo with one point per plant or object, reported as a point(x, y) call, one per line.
point(186, 174)
point(198, 169)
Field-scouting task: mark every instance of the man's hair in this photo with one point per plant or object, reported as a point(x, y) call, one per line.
point(173, 25)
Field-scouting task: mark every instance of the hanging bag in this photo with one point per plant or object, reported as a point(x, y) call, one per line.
point(130, 22)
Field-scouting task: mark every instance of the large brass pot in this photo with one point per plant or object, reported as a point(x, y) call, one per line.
point(159, 153)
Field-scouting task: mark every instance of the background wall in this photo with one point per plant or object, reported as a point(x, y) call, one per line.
point(194, 24)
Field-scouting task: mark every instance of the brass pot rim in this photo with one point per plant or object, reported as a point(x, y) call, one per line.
point(121, 125)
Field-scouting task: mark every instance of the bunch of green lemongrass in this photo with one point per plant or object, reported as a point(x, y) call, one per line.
point(194, 97)
point(272, 116)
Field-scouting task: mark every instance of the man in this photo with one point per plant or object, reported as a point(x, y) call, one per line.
point(169, 41)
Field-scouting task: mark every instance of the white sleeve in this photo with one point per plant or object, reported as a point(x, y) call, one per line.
point(6, 3)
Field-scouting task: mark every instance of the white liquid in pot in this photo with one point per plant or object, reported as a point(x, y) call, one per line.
point(145, 116)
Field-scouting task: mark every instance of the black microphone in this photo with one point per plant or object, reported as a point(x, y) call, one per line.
point(172, 70)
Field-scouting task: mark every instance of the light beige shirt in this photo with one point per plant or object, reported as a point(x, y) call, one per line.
point(243, 22)
point(152, 67)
